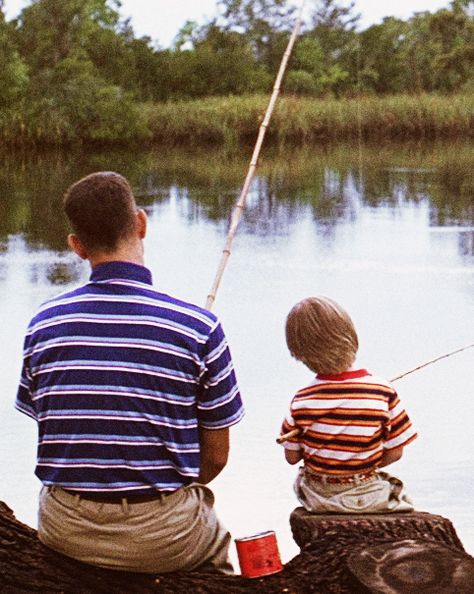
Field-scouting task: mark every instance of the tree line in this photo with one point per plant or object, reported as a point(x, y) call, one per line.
point(76, 69)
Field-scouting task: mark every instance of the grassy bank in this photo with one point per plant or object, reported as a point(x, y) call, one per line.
point(300, 121)
point(231, 121)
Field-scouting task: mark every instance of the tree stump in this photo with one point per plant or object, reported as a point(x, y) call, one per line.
point(412, 566)
point(310, 528)
point(28, 566)
point(344, 546)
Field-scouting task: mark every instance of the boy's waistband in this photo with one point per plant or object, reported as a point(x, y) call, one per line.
point(350, 479)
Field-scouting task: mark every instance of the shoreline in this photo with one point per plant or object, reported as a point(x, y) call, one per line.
point(233, 121)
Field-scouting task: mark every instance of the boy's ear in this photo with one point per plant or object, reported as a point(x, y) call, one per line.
point(77, 246)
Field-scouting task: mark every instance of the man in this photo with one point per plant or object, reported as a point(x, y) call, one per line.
point(134, 392)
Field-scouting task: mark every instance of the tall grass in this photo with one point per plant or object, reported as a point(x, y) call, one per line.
point(231, 121)
point(300, 121)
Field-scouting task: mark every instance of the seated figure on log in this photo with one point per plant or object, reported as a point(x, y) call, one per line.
point(350, 422)
point(134, 392)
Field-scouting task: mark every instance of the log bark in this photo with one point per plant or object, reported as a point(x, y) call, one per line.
point(28, 566)
point(343, 547)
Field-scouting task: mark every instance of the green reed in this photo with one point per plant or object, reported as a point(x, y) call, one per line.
point(232, 121)
point(300, 121)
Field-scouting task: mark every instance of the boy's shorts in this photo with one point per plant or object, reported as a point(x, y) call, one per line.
point(377, 493)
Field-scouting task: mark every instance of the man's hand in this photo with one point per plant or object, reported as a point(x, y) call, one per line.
point(214, 453)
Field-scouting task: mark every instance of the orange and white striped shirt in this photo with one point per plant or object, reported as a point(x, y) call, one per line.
point(346, 422)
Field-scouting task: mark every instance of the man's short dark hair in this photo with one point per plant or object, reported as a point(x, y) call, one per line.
point(101, 209)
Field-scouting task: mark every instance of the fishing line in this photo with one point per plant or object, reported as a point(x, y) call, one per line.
point(240, 204)
point(465, 348)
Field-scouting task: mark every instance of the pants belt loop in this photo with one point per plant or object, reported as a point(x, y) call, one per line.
point(76, 498)
point(125, 506)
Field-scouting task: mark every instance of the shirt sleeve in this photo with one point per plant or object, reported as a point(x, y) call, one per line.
point(400, 431)
point(24, 401)
point(219, 403)
point(288, 425)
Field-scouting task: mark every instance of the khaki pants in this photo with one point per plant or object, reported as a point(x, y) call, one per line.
point(380, 494)
point(177, 532)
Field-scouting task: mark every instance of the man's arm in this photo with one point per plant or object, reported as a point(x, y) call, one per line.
point(214, 453)
point(390, 456)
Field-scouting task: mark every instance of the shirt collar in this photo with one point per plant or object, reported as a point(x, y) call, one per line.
point(121, 270)
point(345, 375)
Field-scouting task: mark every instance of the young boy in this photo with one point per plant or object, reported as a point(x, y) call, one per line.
point(350, 422)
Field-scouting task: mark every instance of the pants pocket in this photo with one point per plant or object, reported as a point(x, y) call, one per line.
point(363, 498)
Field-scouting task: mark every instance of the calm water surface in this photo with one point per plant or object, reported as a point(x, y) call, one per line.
point(387, 231)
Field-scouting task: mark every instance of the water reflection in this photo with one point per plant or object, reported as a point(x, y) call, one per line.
point(332, 183)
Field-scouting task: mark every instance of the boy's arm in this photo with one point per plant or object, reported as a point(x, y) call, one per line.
point(390, 456)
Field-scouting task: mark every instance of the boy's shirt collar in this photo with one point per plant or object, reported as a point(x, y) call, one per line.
point(345, 375)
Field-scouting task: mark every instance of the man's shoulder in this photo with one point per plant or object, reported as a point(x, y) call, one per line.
point(184, 305)
point(143, 300)
point(57, 300)
point(176, 307)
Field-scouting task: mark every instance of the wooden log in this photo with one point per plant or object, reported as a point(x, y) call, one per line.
point(28, 566)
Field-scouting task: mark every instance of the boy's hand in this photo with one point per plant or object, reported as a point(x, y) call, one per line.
point(293, 456)
point(390, 456)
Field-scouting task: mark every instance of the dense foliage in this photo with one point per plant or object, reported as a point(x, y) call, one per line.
point(74, 70)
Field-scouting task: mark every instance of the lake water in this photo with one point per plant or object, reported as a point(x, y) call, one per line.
point(386, 230)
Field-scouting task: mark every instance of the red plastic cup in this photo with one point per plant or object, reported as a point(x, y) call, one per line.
point(258, 554)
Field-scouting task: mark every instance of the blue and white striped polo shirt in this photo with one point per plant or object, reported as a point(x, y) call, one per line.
point(119, 377)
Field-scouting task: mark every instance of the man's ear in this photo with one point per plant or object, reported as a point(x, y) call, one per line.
point(77, 246)
point(142, 223)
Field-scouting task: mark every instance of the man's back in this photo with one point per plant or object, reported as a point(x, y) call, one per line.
point(134, 393)
point(119, 377)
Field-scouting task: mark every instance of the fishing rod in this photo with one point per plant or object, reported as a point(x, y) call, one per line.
point(240, 204)
point(295, 432)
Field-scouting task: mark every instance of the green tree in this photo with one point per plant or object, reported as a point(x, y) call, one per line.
point(333, 26)
point(250, 15)
point(13, 70)
point(146, 81)
point(227, 64)
point(325, 59)
point(210, 60)
point(54, 30)
point(452, 38)
point(262, 22)
point(73, 95)
point(419, 53)
point(383, 57)
point(307, 67)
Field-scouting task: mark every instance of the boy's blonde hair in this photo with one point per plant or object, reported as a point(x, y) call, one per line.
point(321, 334)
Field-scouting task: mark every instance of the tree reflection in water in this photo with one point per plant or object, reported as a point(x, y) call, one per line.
point(327, 186)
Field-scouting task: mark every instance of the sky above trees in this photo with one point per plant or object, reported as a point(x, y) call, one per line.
point(162, 19)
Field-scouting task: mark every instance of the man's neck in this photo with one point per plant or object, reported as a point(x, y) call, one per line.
point(128, 253)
